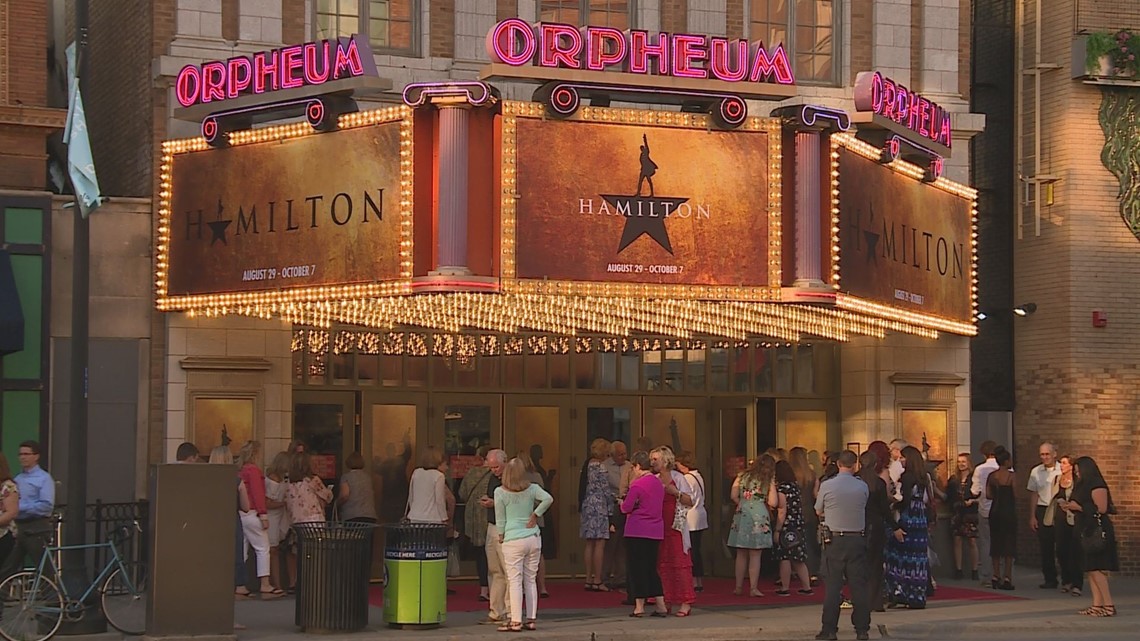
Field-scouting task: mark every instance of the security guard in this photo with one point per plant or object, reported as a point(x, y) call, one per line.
point(841, 504)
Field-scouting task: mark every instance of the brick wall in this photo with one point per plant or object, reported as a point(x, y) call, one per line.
point(23, 150)
point(442, 28)
point(674, 15)
point(965, 29)
point(916, 43)
point(862, 36)
point(293, 21)
point(734, 20)
point(118, 95)
point(1077, 385)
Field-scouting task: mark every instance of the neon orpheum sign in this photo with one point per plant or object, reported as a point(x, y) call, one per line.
point(517, 43)
point(877, 93)
point(312, 63)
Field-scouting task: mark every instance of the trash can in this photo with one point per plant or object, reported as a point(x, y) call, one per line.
point(415, 574)
point(333, 562)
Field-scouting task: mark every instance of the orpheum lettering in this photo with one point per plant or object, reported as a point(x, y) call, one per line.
point(517, 43)
point(312, 63)
point(879, 94)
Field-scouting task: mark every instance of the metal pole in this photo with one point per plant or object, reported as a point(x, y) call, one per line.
point(74, 523)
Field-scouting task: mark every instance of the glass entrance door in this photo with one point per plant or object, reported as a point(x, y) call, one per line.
point(325, 422)
point(392, 426)
point(812, 425)
point(538, 427)
point(734, 446)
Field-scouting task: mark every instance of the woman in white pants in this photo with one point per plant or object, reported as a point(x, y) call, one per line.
point(255, 521)
point(518, 505)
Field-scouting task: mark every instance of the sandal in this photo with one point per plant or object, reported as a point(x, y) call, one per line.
point(275, 593)
point(1106, 611)
point(510, 627)
point(601, 587)
point(684, 613)
point(1090, 611)
point(1075, 591)
point(755, 593)
point(529, 625)
point(243, 595)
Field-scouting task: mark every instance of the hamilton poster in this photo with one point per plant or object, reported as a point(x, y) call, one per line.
point(646, 204)
point(312, 211)
point(903, 242)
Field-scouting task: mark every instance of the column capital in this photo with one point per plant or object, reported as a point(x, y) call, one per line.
point(450, 94)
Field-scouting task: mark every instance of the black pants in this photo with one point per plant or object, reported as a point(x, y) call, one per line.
point(642, 580)
point(695, 553)
point(876, 546)
point(1069, 553)
point(30, 543)
point(481, 566)
point(845, 562)
point(1047, 539)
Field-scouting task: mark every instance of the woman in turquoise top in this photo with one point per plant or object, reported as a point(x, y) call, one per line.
point(518, 504)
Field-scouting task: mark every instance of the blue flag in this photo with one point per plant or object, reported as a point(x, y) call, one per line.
point(80, 162)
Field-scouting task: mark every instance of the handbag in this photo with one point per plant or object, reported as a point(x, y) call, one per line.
point(790, 539)
point(1093, 540)
point(680, 518)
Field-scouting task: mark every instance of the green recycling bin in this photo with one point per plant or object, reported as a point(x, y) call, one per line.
point(415, 574)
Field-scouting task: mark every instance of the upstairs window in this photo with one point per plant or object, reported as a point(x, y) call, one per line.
point(389, 25)
point(597, 13)
point(807, 28)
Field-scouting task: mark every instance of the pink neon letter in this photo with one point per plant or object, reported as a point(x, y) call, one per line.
point(597, 57)
point(503, 42)
point(640, 51)
point(291, 60)
point(728, 60)
point(552, 54)
point(317, 62)
point(347, 61)
point(240, 73)
point(877, 93)
point(924, 117)
point(765, 66)
point(688, 49)
point(188, 85)
point(264, 66)
point(946, 134)
point(213, 81)
point(890, 92)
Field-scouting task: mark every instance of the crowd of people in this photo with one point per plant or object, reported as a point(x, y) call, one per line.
point(861, 521)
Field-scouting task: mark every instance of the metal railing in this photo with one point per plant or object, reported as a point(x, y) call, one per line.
point(102, 520)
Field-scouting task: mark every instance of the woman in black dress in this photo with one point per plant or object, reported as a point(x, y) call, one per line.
point(1092, 503)
point(880, 523)
point(789, 517)
point(1069, 554)
point(964, 519)
point(1000, 488)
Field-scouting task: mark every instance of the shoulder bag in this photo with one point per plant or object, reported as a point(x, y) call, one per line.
point(1093, 540)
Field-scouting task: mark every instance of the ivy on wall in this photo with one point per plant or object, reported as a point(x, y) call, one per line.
point(1120, 121)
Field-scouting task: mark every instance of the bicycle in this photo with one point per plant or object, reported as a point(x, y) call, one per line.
point(34, 603)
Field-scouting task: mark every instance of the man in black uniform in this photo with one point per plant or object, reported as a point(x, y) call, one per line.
point(841, 505)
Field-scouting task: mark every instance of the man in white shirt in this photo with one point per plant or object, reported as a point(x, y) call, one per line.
point(978, 488)
point(1041, 511)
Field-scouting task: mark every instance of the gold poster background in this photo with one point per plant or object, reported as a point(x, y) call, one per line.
point(560, 162)
point(871, 193)
point(351, 161)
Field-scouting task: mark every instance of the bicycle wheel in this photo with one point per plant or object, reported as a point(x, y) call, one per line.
point(124, 601)
point(31, 608)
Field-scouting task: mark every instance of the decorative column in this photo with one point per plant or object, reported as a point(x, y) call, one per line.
point(808, 187)
point(453, 115)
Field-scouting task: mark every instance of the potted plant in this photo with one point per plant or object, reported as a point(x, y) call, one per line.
point(1112, 54)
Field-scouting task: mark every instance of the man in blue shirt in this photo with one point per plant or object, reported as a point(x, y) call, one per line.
point(34, 525)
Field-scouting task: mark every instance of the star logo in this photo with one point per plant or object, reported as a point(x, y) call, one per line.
point(218, 227)
point(646, 217)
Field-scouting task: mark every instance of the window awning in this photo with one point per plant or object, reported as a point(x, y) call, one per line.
point(11, 313)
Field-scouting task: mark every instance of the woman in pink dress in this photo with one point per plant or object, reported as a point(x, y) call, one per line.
point(674, 564)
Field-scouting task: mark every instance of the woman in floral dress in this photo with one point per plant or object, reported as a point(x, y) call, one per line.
point(751, 531)
point(596, 506)
point(908, 561)
point(789, 527)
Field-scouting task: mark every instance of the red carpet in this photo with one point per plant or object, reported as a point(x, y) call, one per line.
point(569, 595)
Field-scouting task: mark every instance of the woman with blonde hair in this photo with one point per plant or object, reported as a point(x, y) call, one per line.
point(674, 563)
point(534, 476)
point(282, 564)
point(255, 521)
point(751, 531)
point(429, 499)
point(519, 504)
point(596, 507)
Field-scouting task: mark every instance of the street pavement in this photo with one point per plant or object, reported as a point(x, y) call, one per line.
point(1033, 613)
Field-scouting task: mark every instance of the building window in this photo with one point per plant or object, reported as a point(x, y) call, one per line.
point(807, 28)
point(390, 25)
point(598, 13)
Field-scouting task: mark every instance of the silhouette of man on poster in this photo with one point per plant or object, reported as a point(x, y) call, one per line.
point(648, 167)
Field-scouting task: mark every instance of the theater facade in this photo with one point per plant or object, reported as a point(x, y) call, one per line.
point(649, 248)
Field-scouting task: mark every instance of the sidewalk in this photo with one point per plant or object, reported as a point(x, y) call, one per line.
point(1033, 610)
